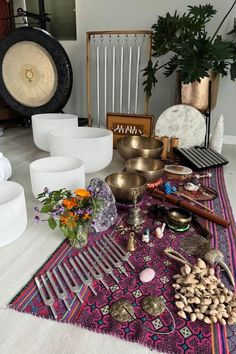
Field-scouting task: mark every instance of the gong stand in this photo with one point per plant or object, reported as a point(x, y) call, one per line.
point(41, 16)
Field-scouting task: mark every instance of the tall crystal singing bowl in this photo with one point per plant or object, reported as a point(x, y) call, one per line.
point(124, 185)
point(139, 146)
point(146, 167)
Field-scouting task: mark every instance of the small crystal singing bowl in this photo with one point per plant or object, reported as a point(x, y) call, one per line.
point(179, 217)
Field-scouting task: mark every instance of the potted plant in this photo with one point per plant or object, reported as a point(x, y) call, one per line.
point(196, 55)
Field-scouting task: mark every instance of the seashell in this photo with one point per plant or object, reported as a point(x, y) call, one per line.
point(214, 319)
point(196, 270)
point(201, 264)
point(231, 320)
point(188, 309)
point(227, 299)
point(193, 317)
point(206, 319)
point(225, 314)
point(176, 286)
point(221, 299)
point(187, 269)
point(176, 276)
point(200, 286)
point(213, 312)
point(233, 314)
point(147, 275)
point(197, 300)
point(180, 305)
point(200, 316)
point(206, 301)
point(222, 321)
point(203, 308)
point(211, 271)
point(182, 314)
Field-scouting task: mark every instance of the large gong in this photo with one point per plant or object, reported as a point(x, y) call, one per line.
point(36, 74)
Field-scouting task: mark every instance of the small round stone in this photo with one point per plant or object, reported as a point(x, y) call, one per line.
point(147, 275)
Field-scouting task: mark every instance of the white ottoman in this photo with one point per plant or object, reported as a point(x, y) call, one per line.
point(94, 146)
point(56, 173)
point(43, 123)
point(13, 214)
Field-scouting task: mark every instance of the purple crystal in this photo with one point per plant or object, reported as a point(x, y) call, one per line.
point(106, 217)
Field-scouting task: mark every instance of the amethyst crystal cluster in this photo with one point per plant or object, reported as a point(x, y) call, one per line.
point(106, 217)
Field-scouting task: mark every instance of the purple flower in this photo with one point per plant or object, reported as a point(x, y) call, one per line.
point(36, 209)
point(37, 219)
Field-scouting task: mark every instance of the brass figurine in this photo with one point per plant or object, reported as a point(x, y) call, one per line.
point(131, 245)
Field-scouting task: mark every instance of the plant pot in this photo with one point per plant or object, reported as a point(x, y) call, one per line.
point(196, 94)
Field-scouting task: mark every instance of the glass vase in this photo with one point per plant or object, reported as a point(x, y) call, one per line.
point(81, 239)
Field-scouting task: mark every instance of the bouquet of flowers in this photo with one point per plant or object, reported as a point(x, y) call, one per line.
point(73, 212)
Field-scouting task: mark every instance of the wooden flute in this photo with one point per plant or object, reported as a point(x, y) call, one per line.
point(194, 209)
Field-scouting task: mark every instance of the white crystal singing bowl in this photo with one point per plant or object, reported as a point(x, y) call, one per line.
point(43, 123)
point(13, 214)
point(57, 173)
point(94, 146)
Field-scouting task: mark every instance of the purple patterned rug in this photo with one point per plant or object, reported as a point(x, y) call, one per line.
point(93, 314)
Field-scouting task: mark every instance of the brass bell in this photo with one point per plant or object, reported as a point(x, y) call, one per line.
point(153, 305)
point(131, 245)
point(122, 310)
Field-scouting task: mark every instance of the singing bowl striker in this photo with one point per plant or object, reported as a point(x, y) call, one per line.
point(139, 146)
point(123, 185)
point(146, 167)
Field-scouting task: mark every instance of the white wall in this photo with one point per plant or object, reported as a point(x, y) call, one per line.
point(141, 14)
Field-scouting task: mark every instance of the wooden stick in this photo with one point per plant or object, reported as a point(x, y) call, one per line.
point(198, 211)
point(193, 200)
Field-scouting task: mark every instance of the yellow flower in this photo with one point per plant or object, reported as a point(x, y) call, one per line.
point(82, 193)
point(70, 203)
point(70, 220)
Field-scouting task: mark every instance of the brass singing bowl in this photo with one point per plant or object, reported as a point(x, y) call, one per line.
point(146, 167)
point(139, 146)
point(179, 216)
point(124, 185)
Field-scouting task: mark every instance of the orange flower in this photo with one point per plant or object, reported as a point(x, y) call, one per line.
point(83, 193)
point(69, 220)
point(70, 203)
point(86, 216)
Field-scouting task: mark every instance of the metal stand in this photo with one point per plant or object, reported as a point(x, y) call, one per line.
point(207, 115)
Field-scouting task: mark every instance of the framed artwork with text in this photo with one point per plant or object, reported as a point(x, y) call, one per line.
point(122, 124)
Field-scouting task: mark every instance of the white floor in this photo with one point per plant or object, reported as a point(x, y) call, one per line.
point(20, 333)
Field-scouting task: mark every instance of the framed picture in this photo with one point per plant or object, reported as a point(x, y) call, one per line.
point(122, 124)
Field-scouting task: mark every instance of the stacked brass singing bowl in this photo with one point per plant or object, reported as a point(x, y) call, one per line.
point(146, 167)
point(139, 146)
point(123, 185)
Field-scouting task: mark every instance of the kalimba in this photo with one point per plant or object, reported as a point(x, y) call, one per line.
point(200, 158)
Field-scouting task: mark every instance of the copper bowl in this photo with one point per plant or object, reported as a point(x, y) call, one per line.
point(124, 184)
point(146, 167)
point(139, 146)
